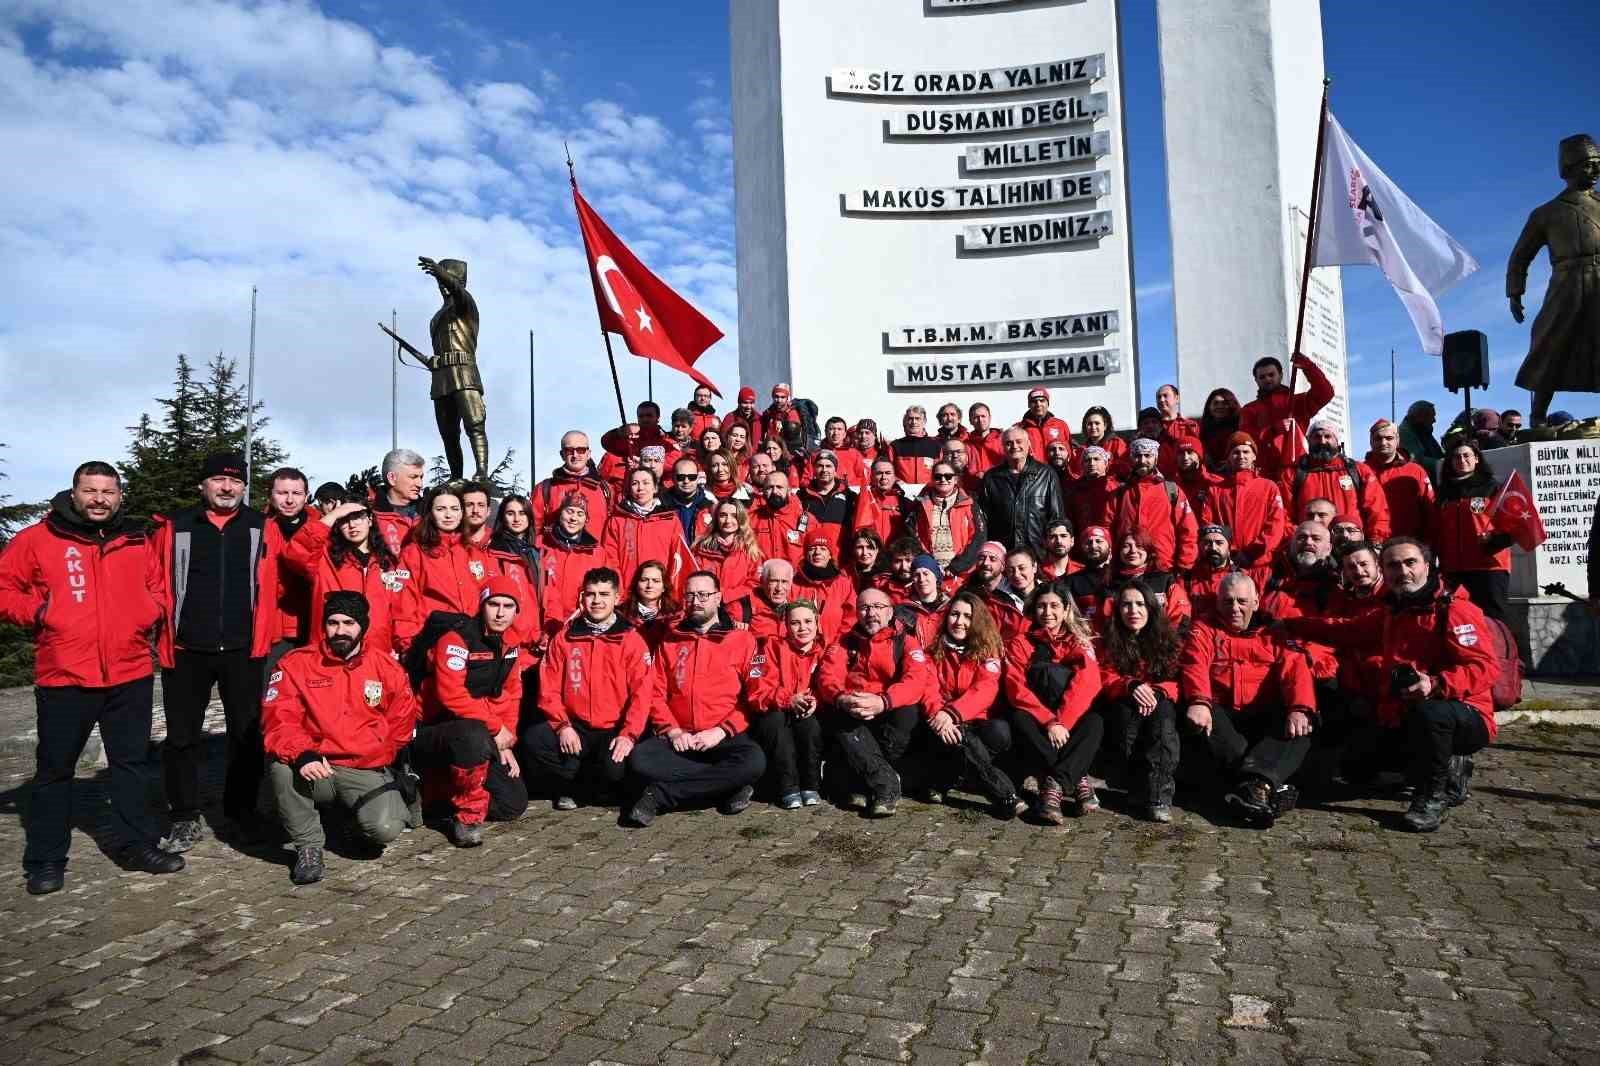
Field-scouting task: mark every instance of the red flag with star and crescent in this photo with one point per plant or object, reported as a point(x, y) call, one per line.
point(654, 321)
point(1513, 512)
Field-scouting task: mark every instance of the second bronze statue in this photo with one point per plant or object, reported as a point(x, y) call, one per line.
point(457, 390)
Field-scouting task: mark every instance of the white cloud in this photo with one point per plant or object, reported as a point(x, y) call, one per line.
point(154, 176)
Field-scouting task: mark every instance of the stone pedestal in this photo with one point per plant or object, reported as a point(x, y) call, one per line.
point(1558, 638)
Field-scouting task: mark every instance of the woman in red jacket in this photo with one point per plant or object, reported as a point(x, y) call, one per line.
point(567, 551)
point(346, 552)
point(641, 528)
point(444, 572)
point(650, 605)
point(1051, 678)
point(724, 480)
point(965, 732)
point(1472, 554)
point(817, 579)
point(1139, 670)
point(784, 703)
point(1097, 433)
point(1135, 557)
point(1219, 421)
point(736, 442)
point(730, 551)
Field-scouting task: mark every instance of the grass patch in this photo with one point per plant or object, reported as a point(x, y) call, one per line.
point(756, 832)
point(852, 848)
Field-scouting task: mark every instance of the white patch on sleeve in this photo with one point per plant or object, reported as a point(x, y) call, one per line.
point(456, 662)
point(918, 657)
point(1466, 634)
point(455, 651)
point(992, 665)
point(272, 693)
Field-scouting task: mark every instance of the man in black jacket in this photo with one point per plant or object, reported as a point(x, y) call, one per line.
point(1021, 497)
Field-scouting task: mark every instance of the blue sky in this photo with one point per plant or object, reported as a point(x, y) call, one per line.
point(167, 155)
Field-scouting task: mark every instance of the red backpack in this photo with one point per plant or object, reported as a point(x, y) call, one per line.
point(1506, 689)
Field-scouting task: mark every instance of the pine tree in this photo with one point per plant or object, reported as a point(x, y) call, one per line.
point(499, 485)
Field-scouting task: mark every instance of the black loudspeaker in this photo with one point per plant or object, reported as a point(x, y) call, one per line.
point(1466, 360)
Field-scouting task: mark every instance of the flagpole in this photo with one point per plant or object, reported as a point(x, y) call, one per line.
point(1392, 416)
point(533, 418)
point(250, 400)
point(394, 383)
point(616, 384)
point(1311, 233)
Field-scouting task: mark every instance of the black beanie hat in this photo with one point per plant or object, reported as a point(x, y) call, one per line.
point(350, 604)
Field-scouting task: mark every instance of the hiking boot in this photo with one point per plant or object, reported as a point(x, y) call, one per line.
point(463, 835)
point(810, 797)
point(1253, 796)
point(1087, 798)
point(1050, 802)
point(1009, 807)
point(884, 808)
point(1159, 812)
point(149, 859)
point(1458, 780)
point(791, 801)
point(932, 796)
point(856, 801)
point(47, 879)
point(1284, 799)
point(565, 803)
point(738, 802)
point(185, 834)
point(307, 866)
point(644, 811)
point(1427, 811)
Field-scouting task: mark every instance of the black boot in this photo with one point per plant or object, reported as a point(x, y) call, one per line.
point(1458, 780)
point(47, 879)
point(150, 860)
point(1427, 810)
point(307, 866)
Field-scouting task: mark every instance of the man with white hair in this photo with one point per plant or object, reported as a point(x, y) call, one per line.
point(1327, 472)
point(1148, 505)
point(395, 509)
point(762, 611)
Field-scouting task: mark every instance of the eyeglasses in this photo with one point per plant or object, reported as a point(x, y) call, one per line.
point(698, 597)
point(944, 477)
point(574, 451)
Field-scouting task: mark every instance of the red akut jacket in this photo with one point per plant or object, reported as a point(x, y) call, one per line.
point(295, 621)
point(445, 693)
point(528, 630)
point(1252, 508)
point(449, 577)
point(914, 457)
point(307, 555)
point(835, 593)
point(781, 533)
point(1463, 533)
point(1117, 686)
point(966, 686)
point(927, 622)
point(91, 595)
point(1042, 432)
point(758, 614)
point(1091, 502)
point(1146, 506)
point(564, 566)
point(1408, 491)
point(1353, 488)
point(356, 712)
point(783, 672)
point(1064, 650)
point(772, 420)
point(1296, 597)
point(984, 450)
point(631, 539)
point(736, 571)
point(702, 419)
point(964, 529)
point(701, 679)
point(1197, 485)
point(264, 622)
point(1264, 417)
point(1114, 445)
point(1008, 612)
point(1202, 584)
point(884, 513)
point(1445, 639)
point(1055, 570)
point(859, 663)
point(752, 420)
point(602, 680)
point(851, 468)
point(393, 525)
point(1168, 590)
point(1251, 672)
point(548, 494)
point(1174, 435)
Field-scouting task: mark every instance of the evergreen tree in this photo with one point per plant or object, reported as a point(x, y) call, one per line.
point(16, 646)
point(502, 479)
point(197, 419)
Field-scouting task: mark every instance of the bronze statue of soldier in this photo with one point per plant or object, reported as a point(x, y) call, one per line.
point(1564, 350)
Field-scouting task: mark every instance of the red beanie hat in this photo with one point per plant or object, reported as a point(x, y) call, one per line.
point(501, 585)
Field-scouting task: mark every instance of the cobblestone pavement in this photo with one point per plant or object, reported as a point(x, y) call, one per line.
point(939, 936)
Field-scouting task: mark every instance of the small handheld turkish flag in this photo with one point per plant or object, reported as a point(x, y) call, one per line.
point(655, 322)
point(1513, 512)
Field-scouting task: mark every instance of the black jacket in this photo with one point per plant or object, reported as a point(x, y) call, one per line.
point(1020, 506)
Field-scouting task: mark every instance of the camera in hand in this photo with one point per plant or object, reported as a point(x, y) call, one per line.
point(1402, 677)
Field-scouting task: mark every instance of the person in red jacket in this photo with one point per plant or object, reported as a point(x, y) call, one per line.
point(1150, 505)
point(1090, 585)
point(444, 572)
point(1249, 694)
point(1193, 479)
point(334, 718)
point(1051, 679)
point(825, 585)
point(915, 453)
point(1206, 575)
point(1306, 588)
point(984, 447)
point(780, 412)
point(779, 521)
point(1472, 554)
point(701, 751)
point(575, 474)
point(873, 683)
point(1097, 432)
point(1251, 507)
point(1138, 654)
point(829, 502)
point(86, 581)
point(1218, 423)
point(1175, 430)
point(1092, 498)
point(866, 562)
point(922, 611)
point(783, 705)
point(1276, 418)
point(963, 732)
point(883, 507)
point(745, 413)
point(946, 521)
point(595, 684)
point(1407, 489)
point(641, 528)
point(344, 551)
point(286, 514)
point(1325, 471)
point(1136, 562)
point(850, 465)
point(395, 507)
point(567, 551)
point(761, 611)
point(217, 590)
point(703, 415)
point(471, 698)
point(729, 549)
point(1042, 426)
point(1055, 552)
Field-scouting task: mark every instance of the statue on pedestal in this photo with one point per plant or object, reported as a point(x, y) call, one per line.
point(1564, 351)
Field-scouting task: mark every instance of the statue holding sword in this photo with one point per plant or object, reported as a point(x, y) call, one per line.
point(457, 389)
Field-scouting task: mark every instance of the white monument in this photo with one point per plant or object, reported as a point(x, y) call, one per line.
point(931, 204)
point(1241, 88)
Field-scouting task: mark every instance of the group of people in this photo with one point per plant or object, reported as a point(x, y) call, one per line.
point(754, 604)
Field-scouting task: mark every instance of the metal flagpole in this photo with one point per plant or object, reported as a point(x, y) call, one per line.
point(1392, 417)
point(533, 419)
point(250, 400)
point(1305, 269)
point(394, 383)
point(572, 176)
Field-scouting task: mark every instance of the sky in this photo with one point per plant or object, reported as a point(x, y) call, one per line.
point(163, 157)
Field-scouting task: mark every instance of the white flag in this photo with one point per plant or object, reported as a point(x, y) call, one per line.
point(1364, 218)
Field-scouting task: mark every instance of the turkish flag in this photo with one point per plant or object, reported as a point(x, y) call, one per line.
point(655, 322)
point(1513, 512)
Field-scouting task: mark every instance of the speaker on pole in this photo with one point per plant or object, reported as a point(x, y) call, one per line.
point(1466, 360)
